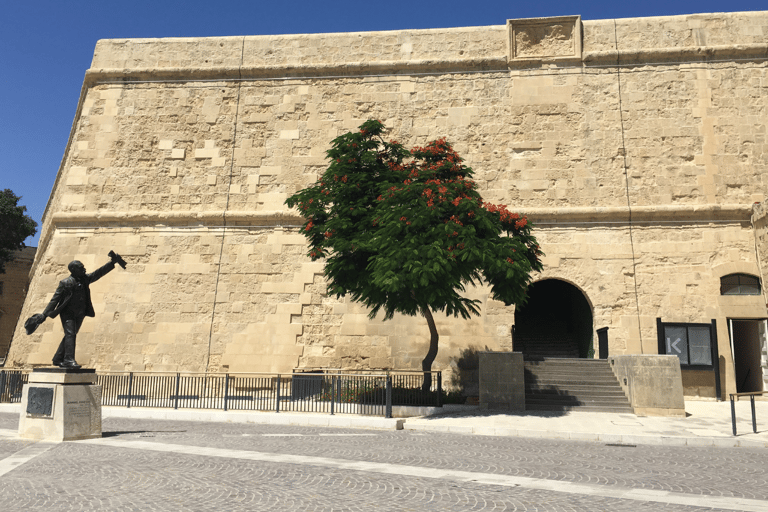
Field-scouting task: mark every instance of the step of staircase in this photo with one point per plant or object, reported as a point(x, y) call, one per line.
point(570, 384)
point(548, 347)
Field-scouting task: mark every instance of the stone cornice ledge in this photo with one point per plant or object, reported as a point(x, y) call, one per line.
point(218, 218)
point(677, 54)
point(352, 69)
point(499, 64)
point(645, 214)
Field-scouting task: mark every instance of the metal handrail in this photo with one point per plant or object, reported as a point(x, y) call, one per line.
point(751, 395)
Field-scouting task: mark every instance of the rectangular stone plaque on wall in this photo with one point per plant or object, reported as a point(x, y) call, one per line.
point(40, 401)
point(545, 38)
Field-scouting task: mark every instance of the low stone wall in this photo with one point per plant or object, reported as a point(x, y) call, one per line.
point(502, 381)
point(653, 383)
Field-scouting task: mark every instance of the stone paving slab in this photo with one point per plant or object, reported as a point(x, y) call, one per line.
point(147, 464)
point(708, 423)
point(124, 478)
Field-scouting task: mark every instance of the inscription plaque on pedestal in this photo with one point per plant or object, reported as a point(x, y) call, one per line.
point(40, 401)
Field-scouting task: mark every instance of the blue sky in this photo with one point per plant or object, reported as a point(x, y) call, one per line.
point(46, 47)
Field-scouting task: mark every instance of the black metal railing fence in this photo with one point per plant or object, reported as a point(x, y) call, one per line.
point(355, 392)
point(11, 385)
point(326, 392)
point(350, 393)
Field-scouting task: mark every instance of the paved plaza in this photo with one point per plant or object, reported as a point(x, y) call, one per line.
point(152, 464)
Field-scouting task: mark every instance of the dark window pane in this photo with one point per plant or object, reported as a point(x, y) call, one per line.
point(729, 285)
point(677, 342)
point(739, 284)
point(699, 345)
point(749, 285)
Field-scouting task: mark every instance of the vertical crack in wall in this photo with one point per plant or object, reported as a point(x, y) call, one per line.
point(226, 207)
point(626, 181)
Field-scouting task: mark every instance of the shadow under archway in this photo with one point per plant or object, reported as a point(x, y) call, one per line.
point(555, 322)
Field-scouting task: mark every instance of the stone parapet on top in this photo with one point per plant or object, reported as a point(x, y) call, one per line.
point(531, 42)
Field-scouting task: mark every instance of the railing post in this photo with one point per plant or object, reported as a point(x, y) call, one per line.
point(277, 398)
point(754, 419)
point(439, 389)
point(2, 385)
point(333, 389)
point(733, 415)
point(388, 407)
point(226, 389)
point(130, 388)
point(178, 381)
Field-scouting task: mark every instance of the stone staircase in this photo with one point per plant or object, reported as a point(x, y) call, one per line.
point(573, 384)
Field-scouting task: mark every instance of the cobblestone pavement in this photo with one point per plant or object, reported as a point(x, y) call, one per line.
point(171, 465)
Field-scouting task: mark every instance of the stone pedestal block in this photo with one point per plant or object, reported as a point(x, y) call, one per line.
point(653, 383)
point(61, 405)
point(502, 380)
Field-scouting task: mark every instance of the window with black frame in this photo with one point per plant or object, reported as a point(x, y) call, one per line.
point(692, 343)
point(740, 284)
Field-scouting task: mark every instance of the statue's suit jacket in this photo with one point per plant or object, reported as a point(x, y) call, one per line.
point(66, 288)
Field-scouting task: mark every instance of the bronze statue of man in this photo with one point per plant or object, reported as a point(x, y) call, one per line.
point(72, 303)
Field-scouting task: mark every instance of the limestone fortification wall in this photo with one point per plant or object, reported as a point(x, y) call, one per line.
point(638, 146)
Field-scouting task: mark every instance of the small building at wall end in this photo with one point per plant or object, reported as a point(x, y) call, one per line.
point(13, 291)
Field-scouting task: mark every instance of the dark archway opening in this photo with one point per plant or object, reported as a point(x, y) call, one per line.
point(556, 322)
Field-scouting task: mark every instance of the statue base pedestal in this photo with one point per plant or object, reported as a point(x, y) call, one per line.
point(61, 405)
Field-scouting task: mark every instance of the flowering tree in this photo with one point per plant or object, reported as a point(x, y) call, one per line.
point(407, 231)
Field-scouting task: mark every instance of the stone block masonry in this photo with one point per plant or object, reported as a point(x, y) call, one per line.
point(637, 147)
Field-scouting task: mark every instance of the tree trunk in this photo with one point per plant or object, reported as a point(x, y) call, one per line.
point(426, 364)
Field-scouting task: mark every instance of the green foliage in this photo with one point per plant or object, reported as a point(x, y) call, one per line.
point(454, 397)
point(407, 230)
point(15, 226)
point(376, 395)
point(368, 393)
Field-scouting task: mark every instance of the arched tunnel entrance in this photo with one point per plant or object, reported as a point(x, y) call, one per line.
point(555, 322)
